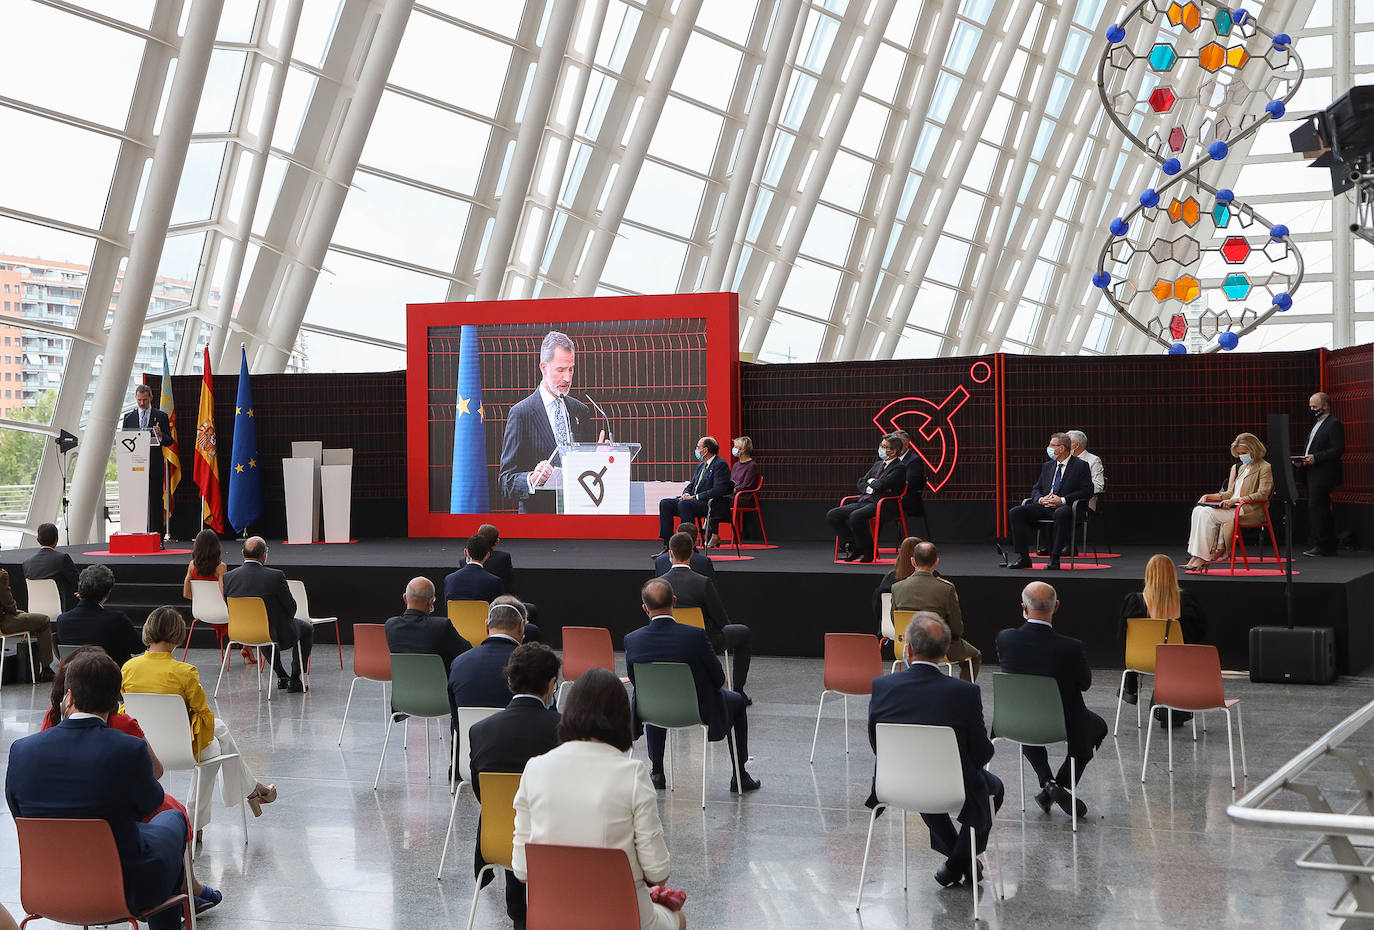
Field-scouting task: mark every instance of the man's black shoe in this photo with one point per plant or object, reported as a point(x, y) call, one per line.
point(862, 558)
point(1065, 800)
point(1316, 552)
point(748, 701)
point(1053, 564)
point(283, 683)
point(658, 779)
point(851, 556)
point(1043, 799)
point(1130, 697)
point(750, 782)
point(1022, 562)
point(1180, 717)
point(295, 686)
point(948, 875)
point(1043, 550)
point(45, 675)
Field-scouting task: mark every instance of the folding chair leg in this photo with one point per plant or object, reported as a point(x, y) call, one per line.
point(1116, 724)
point(972, 872)
point(1021, 776)
point(845, 709)
point(1240, 727)
point(33, 669)
point(347, 704)
point(476, 890)
point(820, 706)
point(448, 835)
point(997, 848)
point(192, 807)
point(1073, 791)
point(863, 871)
point(1169, 733)
point(224, 663)
point(187, 648)
point(705, 750)
point(386, 739)
point(1145, 762)
point(1230, 749)
point(734, 760)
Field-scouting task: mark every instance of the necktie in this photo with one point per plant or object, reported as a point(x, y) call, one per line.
point(560, 422)
point(143, 419)
point(1058, 474)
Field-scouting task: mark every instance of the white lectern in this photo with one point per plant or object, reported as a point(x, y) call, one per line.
point(131, 466)
point(336, 494)
point(596, 477)
point(298, 485)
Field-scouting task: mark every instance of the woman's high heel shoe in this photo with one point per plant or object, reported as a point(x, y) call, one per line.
point(248, 655)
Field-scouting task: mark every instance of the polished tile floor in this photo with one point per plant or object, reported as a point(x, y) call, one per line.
point(332, 853)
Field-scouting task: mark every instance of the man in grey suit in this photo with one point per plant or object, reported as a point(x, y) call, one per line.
point(537, 425)
point(254, 579)
point(47, 562)
point(693, 590)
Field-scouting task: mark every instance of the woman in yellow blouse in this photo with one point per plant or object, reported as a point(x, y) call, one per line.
point(1250, 483)
point(157, 671)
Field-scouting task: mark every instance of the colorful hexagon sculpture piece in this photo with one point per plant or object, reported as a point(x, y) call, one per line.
point(1185, 210)
point(1186, 15)
point(1163, 290)
point(1162, 57)
point(1235, 250)
point(1162, 99)
point(1178, 326)
point(1236, 57)
point(1236, 287)
point(1211, 56)
point(1177, 137)
point(1187, 288)
point(1223, 22)
point(1221, 215)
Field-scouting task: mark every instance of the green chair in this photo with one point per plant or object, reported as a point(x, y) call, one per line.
point(419, 688)
point(666, 696)
point(66, 649)
point(1027, 710)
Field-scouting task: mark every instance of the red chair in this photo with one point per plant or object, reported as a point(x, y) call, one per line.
point(875, 524)
point(852, 661)
point(1238, 539)
point(1188, 678)
point(579, 888)
point(584, 647)
point(736, 523)
point(53, 852)
point(371, 662)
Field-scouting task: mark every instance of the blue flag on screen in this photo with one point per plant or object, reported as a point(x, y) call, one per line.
point(245, 470)
point(469, 493)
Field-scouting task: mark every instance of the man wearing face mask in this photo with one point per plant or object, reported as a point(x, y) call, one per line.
point(1321, 471)
point(711, 480)
point(850, 521)
point(1063, 480)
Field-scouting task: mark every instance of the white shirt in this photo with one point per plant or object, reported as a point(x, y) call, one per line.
point(1041, 622)
point(1099, 475)
point(1313, 435)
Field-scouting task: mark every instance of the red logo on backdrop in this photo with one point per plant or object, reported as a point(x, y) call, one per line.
point(931, 426)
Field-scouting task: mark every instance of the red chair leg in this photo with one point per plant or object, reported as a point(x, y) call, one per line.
point(187, 647)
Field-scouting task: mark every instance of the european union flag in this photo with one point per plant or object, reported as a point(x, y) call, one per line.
point(245, 472)
point(469, 493)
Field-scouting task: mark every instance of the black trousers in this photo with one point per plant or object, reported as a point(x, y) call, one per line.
point(656, 737)
point(1084, 737)
point(954, 845)
point(1025, 523)
point(300, 652)
point(850, 523)
point(686, 511)
point(1321, 524)
point(735, 639)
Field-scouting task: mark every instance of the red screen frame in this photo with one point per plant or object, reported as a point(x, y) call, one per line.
point(719, 310)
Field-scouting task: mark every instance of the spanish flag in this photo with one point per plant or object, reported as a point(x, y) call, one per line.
point(171, 454)
point(207, 465)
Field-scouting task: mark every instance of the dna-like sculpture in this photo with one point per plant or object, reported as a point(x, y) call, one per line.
point(1185, 82)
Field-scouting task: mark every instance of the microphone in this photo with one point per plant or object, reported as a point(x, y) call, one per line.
point(610, 436)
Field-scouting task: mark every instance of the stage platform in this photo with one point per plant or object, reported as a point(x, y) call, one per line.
point(790, 596)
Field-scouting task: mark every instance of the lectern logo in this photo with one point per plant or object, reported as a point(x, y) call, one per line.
point(589, 478)
point(128, 444)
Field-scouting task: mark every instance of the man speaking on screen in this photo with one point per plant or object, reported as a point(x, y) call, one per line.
point(539, 424)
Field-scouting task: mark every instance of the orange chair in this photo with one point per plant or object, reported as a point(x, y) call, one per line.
point(852, 661)
point(579, 888)
point(52, 851)
point(1188, 678)
point(584, 647)
point(875, 524)
point(1238, 539)
point(371, 661)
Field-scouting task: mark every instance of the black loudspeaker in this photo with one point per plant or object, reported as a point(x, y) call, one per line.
point(1293, 655)
point(1285, 482)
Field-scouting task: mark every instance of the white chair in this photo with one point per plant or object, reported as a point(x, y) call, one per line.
point(462, 767)
point(303, 613)
point(207, 606)
point(918, 769)
point(44, 597)
point(167, 726)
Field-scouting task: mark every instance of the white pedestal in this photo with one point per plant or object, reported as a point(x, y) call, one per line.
point(336, 483)
point(298, 478)
point(313, 450)
point(131, 466)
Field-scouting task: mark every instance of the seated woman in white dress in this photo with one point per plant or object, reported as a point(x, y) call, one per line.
point(590, 792)
point(1250, 483)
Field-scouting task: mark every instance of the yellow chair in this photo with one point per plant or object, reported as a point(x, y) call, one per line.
point(497, 836)
point(1143, 634)
point(469, 618)
point(692, 616)
point(900, 620)
point(247, 627)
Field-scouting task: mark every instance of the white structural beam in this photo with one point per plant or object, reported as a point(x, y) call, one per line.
point(1342, 207)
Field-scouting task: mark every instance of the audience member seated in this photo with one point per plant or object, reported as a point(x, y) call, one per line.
point(710, 481)
point(205, 896)
point(47, 562)
point(473, 582)
point(850, 521)
point(477, 678)
point(591, 792)
point(1063, 480)
point(1078, 445)
point(666, 640)
point(1034, 648)
point(532, 634)
point(157, 671)
point(507, 740)
point(207, 564)
point(744, 476)
point(701, 563)
point(923, 694)
point(14, 620)
point(1249, 484)
point(693, 590)
point(254, 579)
point(923, 591)
point(498, 563)
point(1162, 599)
point(901, 569)
point(89, 623)
point(83, 768)
point(418, 631)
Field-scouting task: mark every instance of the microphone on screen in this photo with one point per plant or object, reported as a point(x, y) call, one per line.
point(610, 436)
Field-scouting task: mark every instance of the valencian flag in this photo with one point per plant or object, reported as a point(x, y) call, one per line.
point(171, 454)
point(469, 493)
point(207, 465)
point(245, 477)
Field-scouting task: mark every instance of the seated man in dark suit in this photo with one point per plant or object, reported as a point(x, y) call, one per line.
point(505, 741)
point(711, 480)
point(473, 582)
point(1034, 648)
point(666, 640)
point(416, 631)
point(850, 521)
point(1063, 480)
point(701, 563)
point(923, 694)
point(254, 579)
point(82, 768)
point(477, 678)
point(693, 590)
point(498, 562)
point(47, 562)
point(912, 502)
point(89, 623)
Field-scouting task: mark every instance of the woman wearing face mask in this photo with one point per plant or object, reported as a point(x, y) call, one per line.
point(744, 475)
point(1251, 482)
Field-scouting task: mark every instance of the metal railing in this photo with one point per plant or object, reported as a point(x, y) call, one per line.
point(1338, 829)
point(15, 500)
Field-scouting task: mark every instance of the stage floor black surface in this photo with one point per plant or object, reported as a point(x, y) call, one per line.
point(790, 596)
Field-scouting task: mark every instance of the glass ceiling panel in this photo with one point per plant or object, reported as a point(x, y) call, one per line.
point(450, 63)
point(63, 174)
point(426, 143)
point(402, 222)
